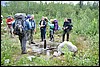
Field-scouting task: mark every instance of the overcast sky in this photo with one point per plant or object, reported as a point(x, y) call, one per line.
point(74, 2)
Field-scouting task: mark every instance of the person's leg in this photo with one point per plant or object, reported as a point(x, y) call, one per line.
point(29, 37)
point(53, 35)
point(50, 35)
point(32, 32)
point(52, 38)
point(41, 35)
point(11, 32)
point(23, 44)
point(8, 29)
point(24, 40)
point(67, 36)
point(20, 39)
point(44, 34)
point(63, 37)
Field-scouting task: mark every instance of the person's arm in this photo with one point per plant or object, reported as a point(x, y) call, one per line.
point(28, 25)
point(49, 23)
point(39, 24)
point(34, 26)
point(63, 26)
point(13, 24)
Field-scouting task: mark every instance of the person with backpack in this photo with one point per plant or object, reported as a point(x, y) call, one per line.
point(33, 28)
point(51, 24)
point(67, 27)
point(21, 28)
point(9, 21)
point(42, 25)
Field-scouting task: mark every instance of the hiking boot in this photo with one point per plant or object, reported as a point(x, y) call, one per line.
point(32, 43)
point(24, 53)
point(62, 53)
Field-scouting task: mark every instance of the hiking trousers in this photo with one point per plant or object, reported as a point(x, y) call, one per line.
point(31, 36)
point(10, 30)
point(51, 35)
point(23, 39)
point(63, 37)
point(43, 32)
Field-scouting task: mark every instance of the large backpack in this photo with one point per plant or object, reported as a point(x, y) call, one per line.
point(55, 25)
point(70, 26)
point(19, 23)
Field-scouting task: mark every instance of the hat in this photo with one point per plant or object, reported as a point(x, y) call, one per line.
point(29, 16)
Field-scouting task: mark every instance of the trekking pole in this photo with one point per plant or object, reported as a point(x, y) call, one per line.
point(44, 43)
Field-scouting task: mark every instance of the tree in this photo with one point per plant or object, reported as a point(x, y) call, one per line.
point(81, 4)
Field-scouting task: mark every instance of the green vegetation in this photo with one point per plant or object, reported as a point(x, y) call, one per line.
point(85, 33)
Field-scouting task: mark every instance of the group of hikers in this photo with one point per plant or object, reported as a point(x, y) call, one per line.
point(24, 26)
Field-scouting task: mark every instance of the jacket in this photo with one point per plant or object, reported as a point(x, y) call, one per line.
point(51, 26)
point(31, 23)
point(9, 20)
point(43, 22)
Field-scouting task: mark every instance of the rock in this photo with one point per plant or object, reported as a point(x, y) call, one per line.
point(6, 61)
point(30, 57)
point(29, 50)
point(55, 54)
point(48, 52)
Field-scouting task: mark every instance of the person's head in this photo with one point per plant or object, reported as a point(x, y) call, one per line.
point(69, 19)
point(51, 20)
point(42, 18)
point(32, 17)
point(9, 17)
point(46, 19)
point(65, 19)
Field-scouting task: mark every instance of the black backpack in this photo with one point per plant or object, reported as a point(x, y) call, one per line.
point(70, 26)
point(19, 23)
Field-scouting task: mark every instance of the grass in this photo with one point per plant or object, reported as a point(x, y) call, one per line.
point(87, 55)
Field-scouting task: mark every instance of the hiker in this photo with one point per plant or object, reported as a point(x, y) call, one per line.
point(51, 24)
point(69, 46)
point(1, 19)
point(33, 28)
point(21, 28)
point(42, 25)
point(9, 21)
point(67, 27)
